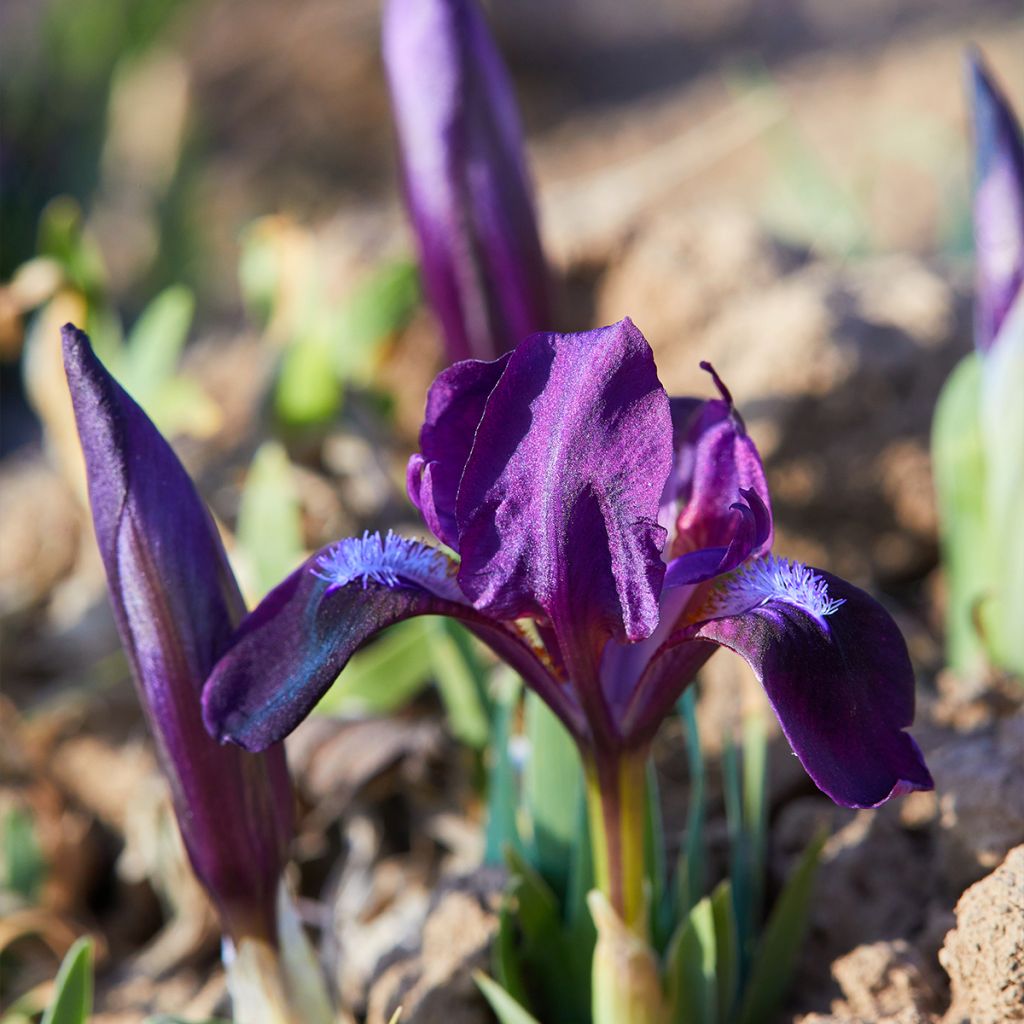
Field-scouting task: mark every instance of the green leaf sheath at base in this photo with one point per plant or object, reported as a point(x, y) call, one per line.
point(726, 950)
point(781, 940)
point(501, 834)
point(1002, 428)
point(505, 1008)
point(691, 968)
point(691, 869)
point(549, 964)
point(553, 810)
point(958, 456)
point(72, 998)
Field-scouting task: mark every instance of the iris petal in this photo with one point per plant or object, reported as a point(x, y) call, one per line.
point(291, 648)
point(838, 676)
point(455, 403)
point(557, 509)
point(717, 491)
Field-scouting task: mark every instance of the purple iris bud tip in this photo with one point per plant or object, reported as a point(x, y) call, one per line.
point(176, 605)
point(719, 383)
point(998, 203)
point(465, 178)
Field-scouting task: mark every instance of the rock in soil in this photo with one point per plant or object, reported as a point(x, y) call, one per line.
point(885, 979)
point(984, 954)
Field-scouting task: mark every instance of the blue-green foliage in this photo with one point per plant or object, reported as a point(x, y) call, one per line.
point(723, 962)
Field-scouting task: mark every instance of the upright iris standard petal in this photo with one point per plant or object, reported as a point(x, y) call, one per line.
point(291, 648)
point(176, 604)
point(558, 505)
point(719, 488)
point(836, 671)
point(465, 176)
point(998, 206)
point(455, 404)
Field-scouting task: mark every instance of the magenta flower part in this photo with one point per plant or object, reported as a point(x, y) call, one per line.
point(609, 541)
point(176, 604)
point(998, 205)
point(465, 178)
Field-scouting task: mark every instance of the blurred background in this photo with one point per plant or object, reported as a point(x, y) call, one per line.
point(210, 188)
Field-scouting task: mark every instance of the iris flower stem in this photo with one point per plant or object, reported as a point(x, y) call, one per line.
point(616, 802)
point(626, 979)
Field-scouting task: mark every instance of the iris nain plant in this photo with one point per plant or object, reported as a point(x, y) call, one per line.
point(978, 432)
point(176, 605)
point(605, 541)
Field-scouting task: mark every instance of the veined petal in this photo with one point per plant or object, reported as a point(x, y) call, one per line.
point(558, 505)
point(751, 529)
point(176, 604)
point(720, 491)
point(836, 672)
point(466, 182)
point(998, 206)
point(288, 651)
point(455, 403)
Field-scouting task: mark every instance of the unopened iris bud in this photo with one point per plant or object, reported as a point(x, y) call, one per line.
point(998, 207)
point(176, 604)
point(465, 177)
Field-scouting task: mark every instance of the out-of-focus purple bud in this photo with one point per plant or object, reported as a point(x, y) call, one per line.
point(176, 603)
point(998, 205)
point(465, 176)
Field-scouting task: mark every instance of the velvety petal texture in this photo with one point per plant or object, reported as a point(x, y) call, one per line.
point(720, 491)
point(289, 651)
point(466, 183)
point(556, 473)
point(998, 206)
point(558, 504)
point(455, 404)
point(836, 671)
point(176, 604)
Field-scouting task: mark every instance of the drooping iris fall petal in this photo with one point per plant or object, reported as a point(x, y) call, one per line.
point(290, 649)
point(176, 604)
point(836, 672)
point(466, 182)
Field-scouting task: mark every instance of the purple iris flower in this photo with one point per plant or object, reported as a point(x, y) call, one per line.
point(177, 604)
point(998, 206)
point(608, 541)
point(466, 182)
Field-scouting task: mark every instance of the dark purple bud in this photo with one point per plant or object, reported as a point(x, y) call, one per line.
point(465, 176)
point(176, 604)
point(998, 206)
